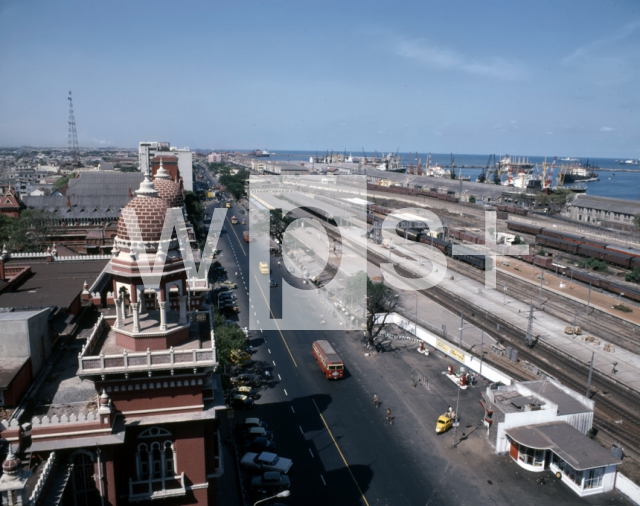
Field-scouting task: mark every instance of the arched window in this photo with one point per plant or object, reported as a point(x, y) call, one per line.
point(142, 462)
point(156, 461)
point(85, 492)
point(169, 459)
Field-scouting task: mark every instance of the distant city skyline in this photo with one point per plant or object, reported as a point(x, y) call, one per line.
point(462, 77)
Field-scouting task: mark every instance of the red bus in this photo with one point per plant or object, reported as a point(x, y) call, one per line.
point(328, 360)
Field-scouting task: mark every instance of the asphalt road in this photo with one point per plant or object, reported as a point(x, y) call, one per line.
point(344, 451)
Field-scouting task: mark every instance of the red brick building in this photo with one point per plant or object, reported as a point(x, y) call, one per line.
point(130, 411)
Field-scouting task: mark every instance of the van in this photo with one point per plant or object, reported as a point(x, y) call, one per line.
point(264, 268)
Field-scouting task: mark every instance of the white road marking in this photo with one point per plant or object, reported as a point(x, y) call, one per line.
point(322, 478)
point(299, 427)
point(292, 409)
point(285, 393)
point(274, 363)
point(269, 351)
point(279, 377)
point(311, 452)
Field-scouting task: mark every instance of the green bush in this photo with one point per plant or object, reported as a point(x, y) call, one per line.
point(633, 276)
point(623, 308)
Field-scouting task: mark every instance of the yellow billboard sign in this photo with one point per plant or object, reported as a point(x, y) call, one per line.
point(446, 348)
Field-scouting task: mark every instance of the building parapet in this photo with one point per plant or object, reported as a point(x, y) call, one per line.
point(130, 362)
point(42, 480)
point(92, 340)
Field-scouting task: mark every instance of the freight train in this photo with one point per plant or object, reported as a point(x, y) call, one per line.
point(579, 245)
point(411, 191)
point(594, 281)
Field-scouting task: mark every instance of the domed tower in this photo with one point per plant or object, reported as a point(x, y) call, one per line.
point(13, 482)
point(168, 190)
point(150, 300)
point(170, 163)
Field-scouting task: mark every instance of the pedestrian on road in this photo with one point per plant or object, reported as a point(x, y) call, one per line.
point(267, 375)
point(389, 416)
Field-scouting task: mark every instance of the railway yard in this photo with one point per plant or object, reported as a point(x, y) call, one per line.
point(551, 282)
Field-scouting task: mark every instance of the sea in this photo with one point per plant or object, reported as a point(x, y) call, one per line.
point(620, 181)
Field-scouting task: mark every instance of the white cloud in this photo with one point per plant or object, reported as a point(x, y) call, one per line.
point(421, 51)
point(600, 43)
point(607, 129)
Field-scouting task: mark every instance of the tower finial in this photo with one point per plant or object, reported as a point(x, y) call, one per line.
point(146, 187)
point(161, 172)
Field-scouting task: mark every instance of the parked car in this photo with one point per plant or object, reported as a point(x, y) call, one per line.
point(248, 391)
point(229, 284)
point(260, 444)
point(272, 283)
point(240, 401)
point(271, 481)
point(247, 435)
point(243, 359)
point(246, 379)
point(265, 461)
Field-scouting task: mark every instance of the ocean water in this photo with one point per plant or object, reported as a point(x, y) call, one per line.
point(617, 183)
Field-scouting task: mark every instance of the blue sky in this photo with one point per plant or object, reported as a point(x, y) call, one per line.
point(521, 77)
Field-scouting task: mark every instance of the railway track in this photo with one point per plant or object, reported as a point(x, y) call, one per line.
point(617, 410)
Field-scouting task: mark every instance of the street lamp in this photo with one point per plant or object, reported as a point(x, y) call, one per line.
point(621, 294)
point(284, 493)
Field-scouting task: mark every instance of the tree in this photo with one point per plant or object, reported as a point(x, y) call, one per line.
point(472, 199)
point(278, 224)
point(228, 338)
point(63, 181)
point(636, 220)
point(517, 240)
point(382, 300)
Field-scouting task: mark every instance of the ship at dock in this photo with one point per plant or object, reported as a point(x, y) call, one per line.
point(577, 173)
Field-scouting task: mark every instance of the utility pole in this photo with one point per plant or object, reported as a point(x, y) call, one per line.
point(73, 135)
point(481, 354)
point(540, 293)
point(589, 299)
point(529, 336)
point(593, 354)
point(456, 417)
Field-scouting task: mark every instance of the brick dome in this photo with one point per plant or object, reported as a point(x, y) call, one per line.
point(169, 191)
point(12, 464)
point(150, 212)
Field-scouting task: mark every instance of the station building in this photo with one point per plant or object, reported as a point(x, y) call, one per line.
point(543, 425)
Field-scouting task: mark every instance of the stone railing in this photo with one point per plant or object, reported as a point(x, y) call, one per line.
point(29, 255)
point(163, 359)
point(75, 258)
point(82, 418)
point(93, 338)
point(42, 480)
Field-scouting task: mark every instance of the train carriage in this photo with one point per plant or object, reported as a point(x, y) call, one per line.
point(524, 228)
point(552, 242)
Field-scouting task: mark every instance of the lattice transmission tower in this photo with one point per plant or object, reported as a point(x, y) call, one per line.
point(73, 135)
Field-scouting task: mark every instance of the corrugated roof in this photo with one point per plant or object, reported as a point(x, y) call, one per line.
point(105, 183)
point(568, 443)
point(606, 204)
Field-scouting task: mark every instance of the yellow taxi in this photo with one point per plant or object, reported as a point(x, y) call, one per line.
point(443, 424)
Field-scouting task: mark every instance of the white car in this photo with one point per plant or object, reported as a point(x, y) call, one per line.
point(265, 461)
